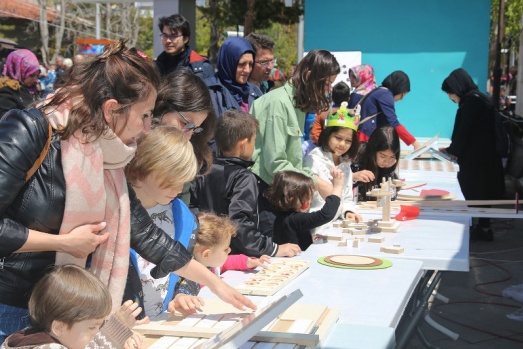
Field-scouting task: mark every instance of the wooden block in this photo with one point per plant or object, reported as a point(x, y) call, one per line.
point(301, 324)
point(356, 243)
point(358, 231)
point(386, 227)
point(336, 225)
point(342, 243)
point(377, 239)
point(392, 249)
point(163, 342)
point(269, 281)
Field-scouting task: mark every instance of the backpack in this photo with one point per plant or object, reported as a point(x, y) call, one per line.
point(503, 141)
point(501, 131)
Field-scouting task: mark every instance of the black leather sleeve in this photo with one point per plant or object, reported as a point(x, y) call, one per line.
point(152, 243)
point(22, 139)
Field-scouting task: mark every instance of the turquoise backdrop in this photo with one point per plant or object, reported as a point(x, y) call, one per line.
point(427, 39)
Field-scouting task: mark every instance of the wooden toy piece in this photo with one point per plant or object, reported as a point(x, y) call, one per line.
point(376, 239)
point(395, 249)
point(358, 225)
point(345, 223)
point(300, 324)
point(356, 243)
point(358, 231)
point(180, 325)
point(336, 225)
point(247, 325)
point(343, 243)
point(385, 227)
point(279, 273)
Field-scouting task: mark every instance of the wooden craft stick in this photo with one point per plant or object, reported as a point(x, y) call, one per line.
point(164, 342)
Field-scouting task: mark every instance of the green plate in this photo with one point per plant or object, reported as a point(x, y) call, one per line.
point(386, 264)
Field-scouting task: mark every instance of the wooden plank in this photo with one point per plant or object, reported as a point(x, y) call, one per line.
point(269, 281)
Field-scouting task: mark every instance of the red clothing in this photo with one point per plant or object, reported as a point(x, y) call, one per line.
point(235, 262)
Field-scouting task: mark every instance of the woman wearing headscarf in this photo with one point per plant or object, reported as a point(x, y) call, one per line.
point(473, 145)
point(377, 109)
point(18, 81)
point(229, 87)
point(362, 79)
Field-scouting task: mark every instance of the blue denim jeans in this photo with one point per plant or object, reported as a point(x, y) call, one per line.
point(12, 319)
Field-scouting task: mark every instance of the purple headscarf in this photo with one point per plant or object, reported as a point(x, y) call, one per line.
point(20, 64)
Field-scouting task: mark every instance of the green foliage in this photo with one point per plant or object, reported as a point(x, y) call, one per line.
point(231, 13)
point(510, 31)
point(271, 18)
point(512, 19)
point(285, 50)
point(145, 36)
point(202, 32)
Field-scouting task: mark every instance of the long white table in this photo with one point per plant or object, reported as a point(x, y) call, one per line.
point(440, 244)
point(372, 302)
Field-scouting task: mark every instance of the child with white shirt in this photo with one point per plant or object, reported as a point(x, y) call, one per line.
point(338, 146)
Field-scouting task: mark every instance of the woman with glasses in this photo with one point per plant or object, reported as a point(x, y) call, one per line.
point(184, 102)
point(377, 107)
point(229, 87)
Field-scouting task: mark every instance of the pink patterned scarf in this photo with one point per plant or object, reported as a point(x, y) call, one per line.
point(96, 191)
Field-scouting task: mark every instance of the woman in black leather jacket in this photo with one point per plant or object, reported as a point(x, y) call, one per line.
point(95, 118)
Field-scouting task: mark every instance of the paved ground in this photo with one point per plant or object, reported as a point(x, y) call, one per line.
point(476, 310)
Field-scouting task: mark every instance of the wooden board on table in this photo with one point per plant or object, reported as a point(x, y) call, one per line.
point(424, 148)
point(215, 316)
point(412, 185)
point(445, 197)
point(299, 324)
point(302, 324)
point(267, 282)
point(231, 335)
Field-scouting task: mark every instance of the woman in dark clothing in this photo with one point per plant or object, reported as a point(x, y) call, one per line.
point(229, 87)
point(18, 83)
point(473, 145)
point(379, 103)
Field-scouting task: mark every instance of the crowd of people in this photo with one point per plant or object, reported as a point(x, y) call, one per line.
point(97, 172)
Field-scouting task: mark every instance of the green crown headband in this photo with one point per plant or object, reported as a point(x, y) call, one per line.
point(342, 118)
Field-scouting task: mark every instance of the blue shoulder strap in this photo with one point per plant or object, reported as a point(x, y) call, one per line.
point(185, 229)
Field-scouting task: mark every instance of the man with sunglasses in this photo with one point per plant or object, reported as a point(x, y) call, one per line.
point(175, 35)
point(264, 62)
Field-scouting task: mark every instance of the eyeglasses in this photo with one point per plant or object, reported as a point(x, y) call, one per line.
point(190, 126)
point(171, 37)
point(265, 64)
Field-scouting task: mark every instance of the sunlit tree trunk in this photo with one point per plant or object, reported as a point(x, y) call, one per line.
point(249, 18)
point(59, 34)
point(44, 31)
point(213, 44)
point(108, 21)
